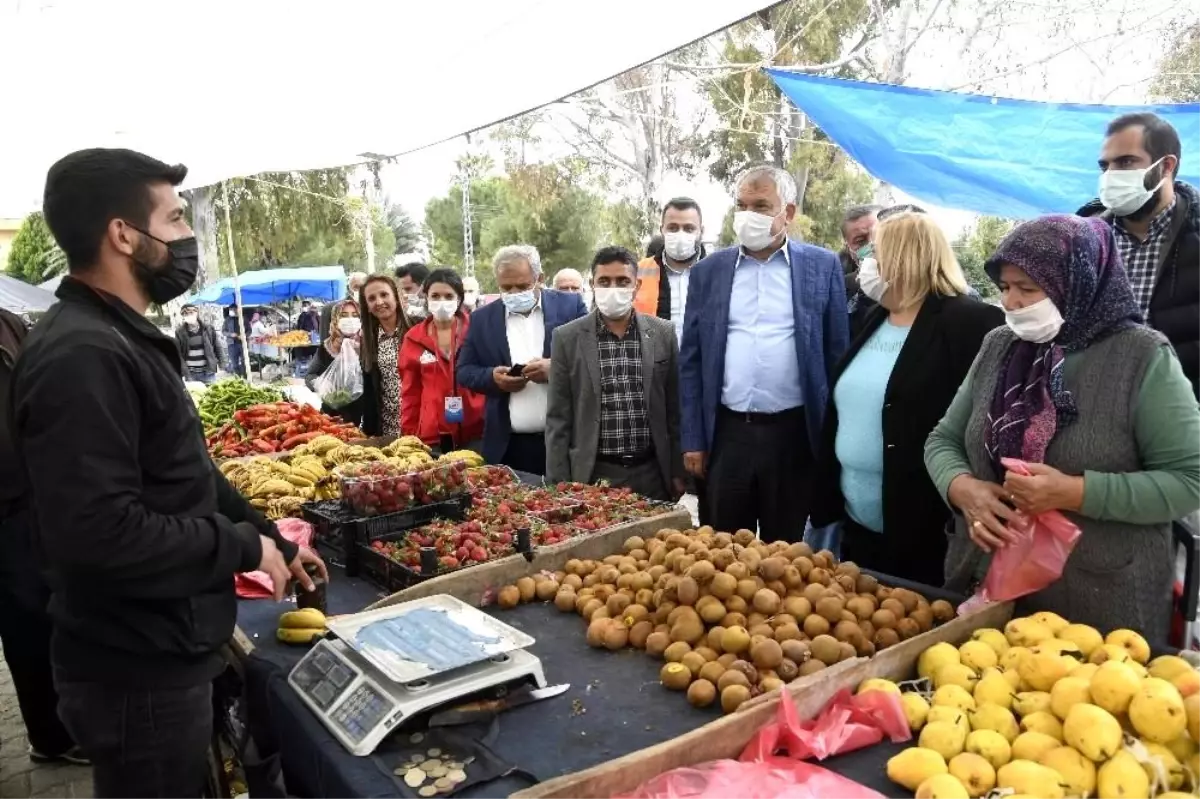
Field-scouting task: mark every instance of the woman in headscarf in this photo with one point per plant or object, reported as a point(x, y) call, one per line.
point(1098, 406)
point(344, 331)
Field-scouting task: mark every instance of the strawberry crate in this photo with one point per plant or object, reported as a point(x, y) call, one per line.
point(376, 488)
point(488, 478)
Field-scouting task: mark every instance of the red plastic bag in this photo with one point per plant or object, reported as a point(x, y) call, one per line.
point(1032, 562)
point(846, 723)
point(257, 585)
point(774, 778)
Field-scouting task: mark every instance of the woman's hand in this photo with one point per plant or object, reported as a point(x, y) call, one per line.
point(982, 503)
point(1046, 488)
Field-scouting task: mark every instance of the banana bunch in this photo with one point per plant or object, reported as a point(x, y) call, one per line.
point(303, 626)
point(472, 459)
point(406, 446)
point(274, 486)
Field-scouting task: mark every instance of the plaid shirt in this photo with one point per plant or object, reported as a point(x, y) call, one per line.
point(1141, 257)
point(624, 423)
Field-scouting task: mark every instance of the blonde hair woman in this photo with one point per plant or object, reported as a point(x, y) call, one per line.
point(889, 391)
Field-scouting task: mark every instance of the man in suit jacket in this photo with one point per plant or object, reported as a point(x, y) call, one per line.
point(765, 326)
point(515, 333)
point(613, 413)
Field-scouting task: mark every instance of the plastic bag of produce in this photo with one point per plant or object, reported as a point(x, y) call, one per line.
point(773, 778)
point(342, 382)
point(847, 722)
point(1033, 561)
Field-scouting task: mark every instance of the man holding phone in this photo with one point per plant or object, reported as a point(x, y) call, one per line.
point(507, 357)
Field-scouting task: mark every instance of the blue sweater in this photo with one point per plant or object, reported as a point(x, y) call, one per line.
point(859, 396)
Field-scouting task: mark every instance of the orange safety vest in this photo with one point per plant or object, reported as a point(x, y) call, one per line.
point(646, 300)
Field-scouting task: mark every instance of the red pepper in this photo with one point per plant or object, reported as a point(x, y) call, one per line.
point(296, 441)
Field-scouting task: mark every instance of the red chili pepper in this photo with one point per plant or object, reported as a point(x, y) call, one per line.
point(296, 441)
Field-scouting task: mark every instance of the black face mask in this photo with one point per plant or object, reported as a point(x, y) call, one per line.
point(174, 277)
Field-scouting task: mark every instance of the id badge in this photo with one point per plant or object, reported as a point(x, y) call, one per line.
point(454, 410)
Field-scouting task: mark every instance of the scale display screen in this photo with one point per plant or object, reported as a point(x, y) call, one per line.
point(323, 677)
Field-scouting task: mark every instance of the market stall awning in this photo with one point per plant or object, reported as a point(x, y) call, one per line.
point(21, 297)
point(267, 286)
point(51, 285)
point(239, 88)
point(1011, 158)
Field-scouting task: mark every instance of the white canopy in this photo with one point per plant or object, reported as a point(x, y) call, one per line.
point(236, 87)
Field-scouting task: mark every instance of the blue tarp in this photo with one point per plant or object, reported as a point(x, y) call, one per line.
point(1011, 158)
point(266, 286)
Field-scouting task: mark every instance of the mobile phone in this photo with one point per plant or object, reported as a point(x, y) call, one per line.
point(516, 370)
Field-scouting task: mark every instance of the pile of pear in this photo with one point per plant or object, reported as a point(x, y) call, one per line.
point(1045, 708)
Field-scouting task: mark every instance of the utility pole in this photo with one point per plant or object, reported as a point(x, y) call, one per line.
point(468, 232)
point(368, 230)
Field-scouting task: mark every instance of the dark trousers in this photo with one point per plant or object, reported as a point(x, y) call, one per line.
point(142, 742)
point(25, 631)
point(909, 557)
point(526, 453)
point(760, 474)
point(643, 478)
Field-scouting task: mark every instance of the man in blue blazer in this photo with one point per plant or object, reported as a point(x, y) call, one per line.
point(507, 357)
point(765, 326)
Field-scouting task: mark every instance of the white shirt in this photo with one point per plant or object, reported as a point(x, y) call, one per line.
point(678, 280)
point(526, 342)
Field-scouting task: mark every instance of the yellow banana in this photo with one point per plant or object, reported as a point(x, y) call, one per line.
point(273, 486)
point(297, 480)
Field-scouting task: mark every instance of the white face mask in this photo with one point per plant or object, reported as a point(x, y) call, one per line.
point(1037, 323)
point(443, 310)
point(349, 325)
point(869, 280)
point(613, 303)
point(680, 245)
point(753, 230)
point(1123, 191)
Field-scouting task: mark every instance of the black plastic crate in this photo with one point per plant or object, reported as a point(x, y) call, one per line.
point(338, 529)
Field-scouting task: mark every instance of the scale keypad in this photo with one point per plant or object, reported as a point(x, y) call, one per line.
point(362, 711)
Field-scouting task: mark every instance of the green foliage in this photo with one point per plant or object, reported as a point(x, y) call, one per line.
point(405, 232)
point(624, 223)
point(1178, 78)
point(34, 256)
point(975, 246)
point(834, 184)
point(727, 237)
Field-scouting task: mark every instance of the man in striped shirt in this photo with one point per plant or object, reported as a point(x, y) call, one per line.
point(198, 348)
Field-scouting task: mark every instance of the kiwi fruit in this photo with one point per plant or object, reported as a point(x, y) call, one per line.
point(787, 670)
point(847, 651)
point(634, 613)
point(811, 667)
point(772, 568)
point(805, 565)
point(761, 630)
point(845, 582)
point(687, 590)
point(830, 608)
point(768, 684)
point(616, 636)
point(694, 661)
point(706, 652)
point(508, 597)
point(923, 616)
point(617, 603)
point(735, 604)
point(675, 652)
point(528, 589)
point(943, 611)
point(703, 571)
point(846, 631)
point(735, 640)
point(815, 625)
point(813, 592)
point(734, 620)
point(885, 637)
point(820, 576)
point(590, 608)
point(863, 646)
point(727, 659)
point(723, 585)
point(786, 632)
point(564, 600)
point(883, 618)
point(908, 628)
point(909, 599)
point(595, 632)
point(712, 672)
point(545, 590)
point(747, 668)
point(600, 613)
point(738, 570)
point(733, 696)
point(711, 611)
point(713, 639)
point(766, 654)
point(797, 607)
point(639, 632)
point(826, 649)
point(796, 651)
point(688, 629)
point(657, 643)
point(701, 693)
point(675, 676)
point(866, 584)
point(732, 677)
point(746, 589)
point(766, 601)
point(633, 542)
point(861, 607)
point(823, 559)
point(792, 578)
point(895, 606)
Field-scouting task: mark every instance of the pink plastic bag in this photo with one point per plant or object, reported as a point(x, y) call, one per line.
point(257, 585)
point(846, 723)
point(774, 778)
point(1035, 560)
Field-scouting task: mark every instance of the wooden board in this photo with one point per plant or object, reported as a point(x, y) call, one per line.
point(727, 736)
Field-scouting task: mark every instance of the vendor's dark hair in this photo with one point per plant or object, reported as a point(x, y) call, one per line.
point(89, 188)
point(449, 276)
point(683, 204)
point(655, 248)
point(1159, 137)
point(415, 270)
point(857, 212)
point(613, 255)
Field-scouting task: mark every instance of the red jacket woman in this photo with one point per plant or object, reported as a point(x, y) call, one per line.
point(428, 358)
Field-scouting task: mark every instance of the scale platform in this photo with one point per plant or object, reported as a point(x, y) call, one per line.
point(391, 664)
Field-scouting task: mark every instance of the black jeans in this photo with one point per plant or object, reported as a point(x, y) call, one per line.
point(143, 742)
point(644, 478)
point(526, 453)
point(25, 631)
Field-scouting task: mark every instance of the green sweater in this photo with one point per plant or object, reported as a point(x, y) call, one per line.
point(1167, 432)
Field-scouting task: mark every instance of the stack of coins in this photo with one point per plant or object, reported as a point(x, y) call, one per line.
point(432, 772)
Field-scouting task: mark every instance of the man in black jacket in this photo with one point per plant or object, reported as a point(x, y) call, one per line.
point(1156, 222)
point(199, 352)
point(140, 534)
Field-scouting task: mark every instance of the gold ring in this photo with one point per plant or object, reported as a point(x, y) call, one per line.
point(977, 523)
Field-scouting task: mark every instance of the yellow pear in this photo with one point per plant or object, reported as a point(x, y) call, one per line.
point(1066, 693)
point(951, 715)
point(1027, 702)
point(1026, 632)
point(1107, 652)
point(943, 737)
point(1161, 766)
point(1188, 682)
point(974, 771)
point(994, 689)
point(1168, 667)
point(1061, 647)
point(1084, 671)
point(991, 746)
point(1027, 777)
point(876, 684)
point(1041, 669)
point(915, 710)
point(1157, 711)
point(1032, 745)
point(1055, 622)
point(995, 717)
point(1014, 678)
point(1095, 732)
point(1166, 795)
point(993, 638)
point(1077, 772)
point(942, 786)
point(955, 674)
point(1113, 686)
point(1043, 722)
point(1184, 748)
point(978, 655)
point(913, 766)
point(1122, 777)
point(934, 658)
point(1192, 706)
point(1131, 642)
point(1085, 637)
point(1013, 656)
point(953, 696)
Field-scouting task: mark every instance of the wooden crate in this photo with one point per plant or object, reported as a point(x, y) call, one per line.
point(727, 736)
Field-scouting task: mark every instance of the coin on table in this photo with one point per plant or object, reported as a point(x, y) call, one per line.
point(434, 752)
point(443, 784)
point(405, 766)
point(414, 777)
point(428, 790)
point(432, 762)
point(416, 738)
point(418, 758)
point(440, 771)
point(456, 776)
point(452, 764)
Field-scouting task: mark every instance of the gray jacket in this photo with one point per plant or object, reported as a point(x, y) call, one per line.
point(573, 408)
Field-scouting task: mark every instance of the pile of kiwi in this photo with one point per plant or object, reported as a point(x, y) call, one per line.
point(732, 616)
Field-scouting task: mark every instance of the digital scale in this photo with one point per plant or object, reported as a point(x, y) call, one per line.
point(391, 664)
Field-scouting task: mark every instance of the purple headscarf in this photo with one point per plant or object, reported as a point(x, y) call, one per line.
point(1075, 261)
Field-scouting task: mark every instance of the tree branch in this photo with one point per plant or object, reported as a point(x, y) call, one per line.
point(921, 31)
